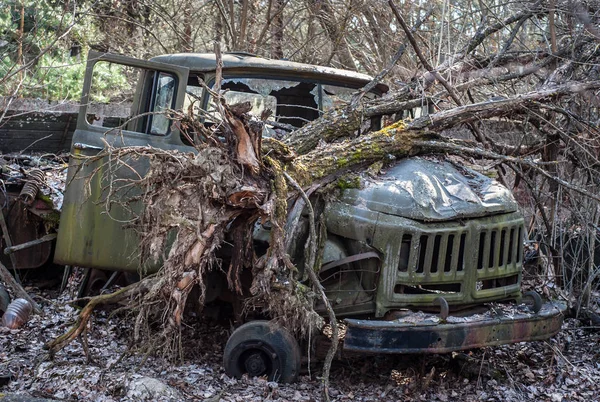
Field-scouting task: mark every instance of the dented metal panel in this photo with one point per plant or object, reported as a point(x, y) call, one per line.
point(432, 191)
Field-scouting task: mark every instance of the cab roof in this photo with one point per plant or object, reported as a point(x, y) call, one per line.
point(242, 63)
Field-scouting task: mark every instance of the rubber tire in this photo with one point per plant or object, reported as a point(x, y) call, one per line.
point(536, 299)
point(275, 339)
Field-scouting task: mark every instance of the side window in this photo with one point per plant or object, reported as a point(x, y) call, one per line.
point(164, 96)
point(131, 98)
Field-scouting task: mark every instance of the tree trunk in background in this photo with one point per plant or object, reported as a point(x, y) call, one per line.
point(21, 31)
point(277, 30)
point(552, 24)
point(242, 42)
point(253, 8)
point(188, 44)
point(218, 27)
point(340, 48)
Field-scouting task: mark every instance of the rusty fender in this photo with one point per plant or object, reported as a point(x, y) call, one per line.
point(427, 333)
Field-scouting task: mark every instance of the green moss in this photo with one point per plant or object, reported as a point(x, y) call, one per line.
point(356, 156)
point(342, 162)
point(46, 199)
point(349, 181)
point(399, 125)
point(303, 289)
point(52, 217)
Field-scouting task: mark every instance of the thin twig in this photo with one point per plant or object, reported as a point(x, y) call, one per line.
point(373, 83)
point(461, 150)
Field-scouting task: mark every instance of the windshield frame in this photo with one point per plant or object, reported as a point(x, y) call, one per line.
point(209, 79)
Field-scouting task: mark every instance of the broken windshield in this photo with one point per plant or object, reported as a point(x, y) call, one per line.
point(262, 86)
point(288, 103)
point(283, 104)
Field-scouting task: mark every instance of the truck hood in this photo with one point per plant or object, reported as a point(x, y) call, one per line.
point(431, 190)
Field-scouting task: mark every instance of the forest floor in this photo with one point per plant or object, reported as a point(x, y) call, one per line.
point(564, 368)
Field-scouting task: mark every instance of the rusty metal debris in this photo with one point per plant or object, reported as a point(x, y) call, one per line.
point(32, 187)
point(27, 175)
point(23, 246)
point(35, 180)
point(17, 314)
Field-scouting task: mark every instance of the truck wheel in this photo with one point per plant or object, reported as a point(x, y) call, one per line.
point(260, 348)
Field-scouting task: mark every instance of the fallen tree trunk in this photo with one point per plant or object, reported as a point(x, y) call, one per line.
point(341, 123)
point(344, 123)
point(395, 141)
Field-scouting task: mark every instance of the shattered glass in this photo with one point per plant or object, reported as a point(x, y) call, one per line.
point(262, 86)
point(334, 97)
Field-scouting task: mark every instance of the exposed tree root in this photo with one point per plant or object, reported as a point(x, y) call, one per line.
point(84, 316)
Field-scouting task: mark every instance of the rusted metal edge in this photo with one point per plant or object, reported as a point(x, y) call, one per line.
point(23, 246)
point(430, 336)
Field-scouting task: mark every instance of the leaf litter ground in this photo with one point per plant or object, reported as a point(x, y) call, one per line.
point(565, 368)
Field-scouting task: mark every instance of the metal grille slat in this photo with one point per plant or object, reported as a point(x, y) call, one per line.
point(429, 255)
point(519, 244)
point(511, 246)
point(486, 249)
point(413, 259)
point(451, 253)
point(505, 248)
point(461, 252)
point(497, 250)
point(442, 253)
point(406, 252)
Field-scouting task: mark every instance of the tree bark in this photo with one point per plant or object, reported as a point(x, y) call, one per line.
point(187, 45)
point(277, 30)
point(242, 40)
point(326, 16)
point(344, 123)
point(396, 140)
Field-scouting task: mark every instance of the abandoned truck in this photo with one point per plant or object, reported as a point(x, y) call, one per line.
point(417, 260)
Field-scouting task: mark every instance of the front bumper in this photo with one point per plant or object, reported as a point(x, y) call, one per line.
point(426, 333)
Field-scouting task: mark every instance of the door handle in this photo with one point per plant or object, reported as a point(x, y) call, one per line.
point(82, 146)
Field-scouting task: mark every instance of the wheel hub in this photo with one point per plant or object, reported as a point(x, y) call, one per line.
point(255, 364)
point(259, 348)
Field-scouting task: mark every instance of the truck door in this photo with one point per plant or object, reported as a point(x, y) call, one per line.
point(95, 233)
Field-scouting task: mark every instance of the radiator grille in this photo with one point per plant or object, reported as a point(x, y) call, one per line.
point(499, 248)
point(432, 254)
point(481, 259)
